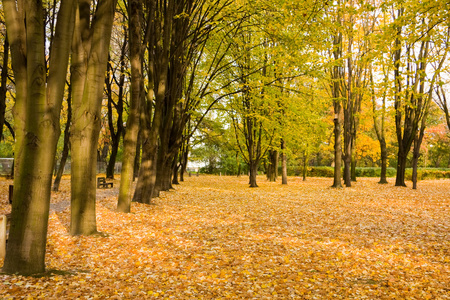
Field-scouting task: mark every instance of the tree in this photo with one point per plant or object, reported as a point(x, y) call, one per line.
point(37, 110)
point(132, 131)
point(90, 43)
point(413, 31)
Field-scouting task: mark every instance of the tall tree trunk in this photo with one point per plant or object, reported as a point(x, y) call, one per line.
point(415, 160)
point(175, 168)
point(184, 163)
point(65, 152)
point(253, 167)
point(137, 159)
point(347, 145)
point(132, 131)
point(147, 175)
point(383, 151)
point(337, 153)
point(353, 162)
point(3, 80)
point(89, 64)
point(37, 112)
point(273, 165)
point(401, 168)
point(283, 164)
point(305, 165)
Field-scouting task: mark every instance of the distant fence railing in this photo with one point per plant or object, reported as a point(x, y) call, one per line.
point(6, 165)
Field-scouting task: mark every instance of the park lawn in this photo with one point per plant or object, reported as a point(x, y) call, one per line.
point(215, 238)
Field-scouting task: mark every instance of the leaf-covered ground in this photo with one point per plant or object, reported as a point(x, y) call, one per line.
point(215, 238)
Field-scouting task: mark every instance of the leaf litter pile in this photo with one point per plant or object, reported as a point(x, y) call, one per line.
point(215, 238)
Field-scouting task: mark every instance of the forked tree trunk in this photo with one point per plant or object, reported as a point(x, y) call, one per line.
point(37, 112)
point(88, 74)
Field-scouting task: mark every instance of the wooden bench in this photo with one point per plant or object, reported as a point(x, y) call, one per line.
point(102, 184)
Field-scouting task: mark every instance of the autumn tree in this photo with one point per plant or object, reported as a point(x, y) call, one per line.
point(38, 103)
point(416, 35)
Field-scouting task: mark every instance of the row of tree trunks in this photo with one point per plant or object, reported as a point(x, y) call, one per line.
point(37, 113)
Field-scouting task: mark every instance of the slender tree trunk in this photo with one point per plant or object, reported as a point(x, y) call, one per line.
point(347, 145)
point(137, 159)
point(175, 168)
point(132, 131)
point(383, 151)
point(184, 161)
point(337, 153)
point(88, 73)
point(305, 165)
point(415, 160)
point(353, 162)
point(65, 152)
point(3, 80)
point(283, 164)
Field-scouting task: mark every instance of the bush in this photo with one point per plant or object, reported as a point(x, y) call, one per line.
point(428, 174)
point(374, 172)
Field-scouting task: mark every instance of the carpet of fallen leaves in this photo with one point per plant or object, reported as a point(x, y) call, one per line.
point(215, 238)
